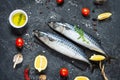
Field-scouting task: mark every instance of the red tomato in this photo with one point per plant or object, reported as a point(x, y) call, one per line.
point(19, 42)
point(85, 11)
point(64, 72)
point(60, 1)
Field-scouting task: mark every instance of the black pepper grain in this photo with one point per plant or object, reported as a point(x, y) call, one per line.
point(41, 12)
point(94, 19)
point(94, 24)
point(47, 7)
point(99, 2)
point(93, 11)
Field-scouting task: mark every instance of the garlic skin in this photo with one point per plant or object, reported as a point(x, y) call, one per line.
point(17, 59)
point(42, 77)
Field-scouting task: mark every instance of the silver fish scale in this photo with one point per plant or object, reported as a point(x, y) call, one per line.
point(89, 37)
point(63, 42)
point(66, 25)
point(70, 26)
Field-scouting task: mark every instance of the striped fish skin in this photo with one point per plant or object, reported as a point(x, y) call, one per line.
point(61, 45)
point(69, 31)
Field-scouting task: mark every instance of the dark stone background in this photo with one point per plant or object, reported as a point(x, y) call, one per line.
point(107, 32)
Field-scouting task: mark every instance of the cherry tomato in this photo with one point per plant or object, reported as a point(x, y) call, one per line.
point(64, 72)
point(85, 11)
point(60, 1)
point(19, 42)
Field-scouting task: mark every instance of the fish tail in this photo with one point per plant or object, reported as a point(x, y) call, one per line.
point(91, 66)
point(109, 58)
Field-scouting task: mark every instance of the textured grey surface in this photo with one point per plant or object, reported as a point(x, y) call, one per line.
point(47, 10)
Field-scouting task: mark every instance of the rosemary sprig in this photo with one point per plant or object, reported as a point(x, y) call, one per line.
point(20, 18)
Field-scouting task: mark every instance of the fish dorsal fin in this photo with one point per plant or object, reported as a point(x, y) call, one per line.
point(51, 37)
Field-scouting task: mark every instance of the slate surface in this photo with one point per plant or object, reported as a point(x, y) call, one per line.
point(39, 14)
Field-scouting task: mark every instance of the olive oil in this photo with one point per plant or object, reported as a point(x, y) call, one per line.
point(19, 19)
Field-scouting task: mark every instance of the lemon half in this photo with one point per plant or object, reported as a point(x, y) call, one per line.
point(40, 63)
point(81, 78)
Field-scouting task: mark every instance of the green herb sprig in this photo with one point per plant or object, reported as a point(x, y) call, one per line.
point(81, 33)
point(20, 18)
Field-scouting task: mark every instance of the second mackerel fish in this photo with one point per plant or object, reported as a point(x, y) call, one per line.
point(61, 45)
point(77, 35)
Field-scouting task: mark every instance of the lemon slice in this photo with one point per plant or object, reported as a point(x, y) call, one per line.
point(40, 63)
point(81, 78)
point(97, 57)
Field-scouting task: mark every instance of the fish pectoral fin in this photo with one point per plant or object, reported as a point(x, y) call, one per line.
point(79, 37)
point(67, 28)
point(109, 58)
point(51, 39)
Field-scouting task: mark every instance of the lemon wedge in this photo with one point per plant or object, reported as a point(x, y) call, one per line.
point(40, 63)
point(81, 78)
point(104, 16)
point(97, 57)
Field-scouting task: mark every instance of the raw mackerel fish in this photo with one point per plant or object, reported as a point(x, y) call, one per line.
point(61, 45)
point(78, 36)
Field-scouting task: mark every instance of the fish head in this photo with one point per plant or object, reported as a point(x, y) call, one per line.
point(60, 27)
point(41, 36)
